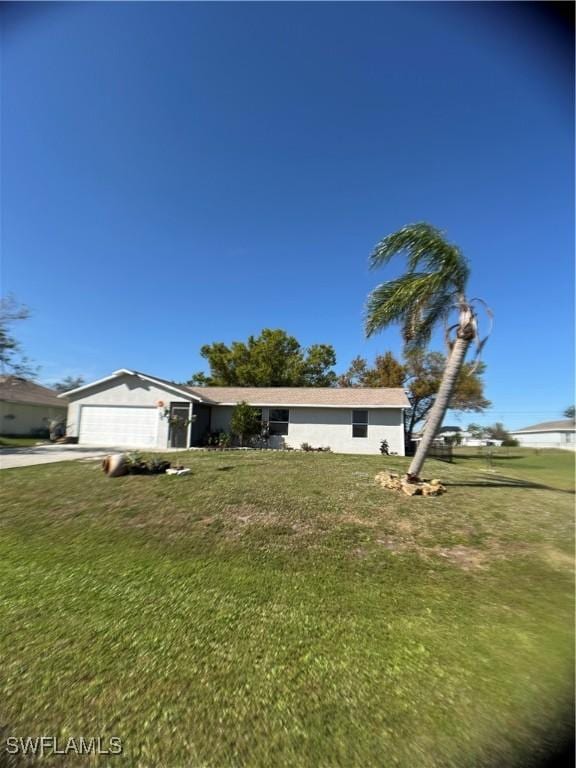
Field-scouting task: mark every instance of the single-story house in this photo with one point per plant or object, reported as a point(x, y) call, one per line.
point(133, 409)
point(27, 408)
point(548, 434)
point(458, 436)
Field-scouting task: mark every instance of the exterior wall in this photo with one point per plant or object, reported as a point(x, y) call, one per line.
point(331, 427)
point(564, 440)
point(27, 417)
point(125, 390)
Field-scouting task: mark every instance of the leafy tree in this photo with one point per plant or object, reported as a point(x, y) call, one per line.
point(477, 431)
point(424, 372)
point(420, 375)
point(570, 412)
point(245, 421)
point(435, 281)
point(68, 383)
point(498, 431)
point(272, 359)
point(386, 372)
point(11, 359)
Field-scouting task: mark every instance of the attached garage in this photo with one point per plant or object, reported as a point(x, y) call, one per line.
point(118, 425)
point(130, 409)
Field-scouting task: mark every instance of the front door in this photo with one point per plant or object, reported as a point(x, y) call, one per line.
point(179, 421)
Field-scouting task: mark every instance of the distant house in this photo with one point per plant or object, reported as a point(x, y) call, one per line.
point(133, 409)
point(459, 436)
point(548, 434)
point(27, 408)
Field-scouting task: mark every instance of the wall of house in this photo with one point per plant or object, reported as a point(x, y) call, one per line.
point(23, 419)
point(565, 440)
point(125, 390)
point(331, 427)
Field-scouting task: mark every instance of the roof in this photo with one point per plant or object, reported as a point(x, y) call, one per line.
point(334, 397)
point(564, 425)
point(17, 390)
point(329, 397)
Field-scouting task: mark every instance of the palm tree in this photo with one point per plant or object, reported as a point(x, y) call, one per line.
point(433, 286)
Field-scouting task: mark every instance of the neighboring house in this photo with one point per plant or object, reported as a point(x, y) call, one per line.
point(548, 434)
point(449, 435)
point(134, 409)
point(27, 408)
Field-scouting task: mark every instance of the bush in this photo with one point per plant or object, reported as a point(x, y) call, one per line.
point(510, 442)
point(322, 449)
point(245, 422)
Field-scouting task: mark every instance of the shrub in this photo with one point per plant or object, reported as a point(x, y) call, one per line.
point(510, 442)
point(245, 422)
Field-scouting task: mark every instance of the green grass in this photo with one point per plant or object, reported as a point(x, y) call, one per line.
point(548, 467)
point(16, 441)
point(278, 609)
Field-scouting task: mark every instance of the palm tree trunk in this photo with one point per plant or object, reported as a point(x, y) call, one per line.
point(438, 410)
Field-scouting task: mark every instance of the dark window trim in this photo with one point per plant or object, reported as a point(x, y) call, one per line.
point(360, 426)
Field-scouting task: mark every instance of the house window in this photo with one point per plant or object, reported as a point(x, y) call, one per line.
point(278, 419)
point(359, 423)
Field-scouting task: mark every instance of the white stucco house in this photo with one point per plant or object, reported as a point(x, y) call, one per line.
point(133, 409)
point(27, 408)
point(548, 434)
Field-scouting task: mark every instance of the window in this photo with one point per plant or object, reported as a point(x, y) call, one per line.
point(278, 420)
point(359, 423)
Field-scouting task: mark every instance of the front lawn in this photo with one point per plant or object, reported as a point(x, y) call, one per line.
point(281, 609)
point(17, 441)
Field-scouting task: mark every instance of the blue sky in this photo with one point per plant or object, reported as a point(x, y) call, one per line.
point(180, 173)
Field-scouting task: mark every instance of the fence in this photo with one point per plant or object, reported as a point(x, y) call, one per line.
point(440, 451)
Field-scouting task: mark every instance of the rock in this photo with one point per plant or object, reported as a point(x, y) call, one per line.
point(412, 489)
point(394, 482)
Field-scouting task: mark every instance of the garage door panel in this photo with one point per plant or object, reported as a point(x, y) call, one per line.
point(118, 425)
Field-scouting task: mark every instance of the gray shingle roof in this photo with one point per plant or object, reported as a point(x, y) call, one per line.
point(362, 397)
point(564, 425)
point(17, 390)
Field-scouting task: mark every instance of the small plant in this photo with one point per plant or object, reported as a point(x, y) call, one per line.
point(137, 464)
point(306, 447)
point(224, 441)
point(510, 442)
point(384, 448)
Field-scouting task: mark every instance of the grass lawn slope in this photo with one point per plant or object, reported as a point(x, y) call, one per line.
point(281, 609)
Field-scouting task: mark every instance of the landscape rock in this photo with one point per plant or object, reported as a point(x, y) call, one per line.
point(394, 482)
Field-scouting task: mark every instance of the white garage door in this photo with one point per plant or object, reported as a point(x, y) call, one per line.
point(118, 425)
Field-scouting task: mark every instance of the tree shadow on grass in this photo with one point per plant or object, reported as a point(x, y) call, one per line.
point(500, 481)
point(480, 456)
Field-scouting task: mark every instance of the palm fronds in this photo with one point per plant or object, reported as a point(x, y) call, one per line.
point(437, 274)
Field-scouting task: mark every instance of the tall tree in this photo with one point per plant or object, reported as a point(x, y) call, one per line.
point(420, 374)
point(424, 372)
point(386, 372)
point(272, 359)
point(12, 361)
point(570, 412)
point(498, 431)
point(68, 383)
point(435, 281)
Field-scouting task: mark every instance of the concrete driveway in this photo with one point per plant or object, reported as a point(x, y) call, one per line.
point(47, 454)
